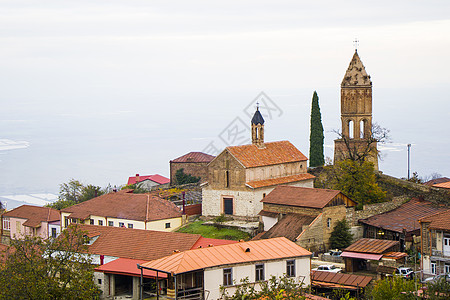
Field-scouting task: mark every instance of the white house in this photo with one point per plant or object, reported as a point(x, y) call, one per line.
point(200, 272)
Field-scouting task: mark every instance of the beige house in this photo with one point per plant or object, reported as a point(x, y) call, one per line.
point(240, 176)
point(306, 216)
point(125, 209)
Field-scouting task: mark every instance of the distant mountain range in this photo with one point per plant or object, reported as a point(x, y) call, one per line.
point(13, 201)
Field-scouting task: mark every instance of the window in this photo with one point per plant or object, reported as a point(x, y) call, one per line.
point(227, 277)
point(66, 222)
point(447, 268)
point(91, 221)
point(121, 224)
point(259, 272)
point(290, 268)
point(53, 232)
point(99, 281)
point(100, 222)
point(130, 225)
point(329, 222)
point(167, 225)
point(6, 224)
point(227, 178)
point(264, 195)
point(110, 223)
point(433, 267)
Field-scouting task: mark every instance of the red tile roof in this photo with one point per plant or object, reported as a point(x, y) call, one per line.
point(300, 196)
point(136, 243)
point(406, 216)
point(125, 205)
point(439, 220)
point(156, 178)
point(128, 267)
point(274, 153)
point(34, 215)
point(194, 157)
point(244, 252)
point(373, 246)
point(281, 180)
point(205, 242)
point(444, 185)
point(437, 180)
point(339, 280)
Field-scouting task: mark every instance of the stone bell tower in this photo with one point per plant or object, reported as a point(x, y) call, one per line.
point(356, 115)
point(258, 129)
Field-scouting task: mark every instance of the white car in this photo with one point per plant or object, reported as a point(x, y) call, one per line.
point(328, 268)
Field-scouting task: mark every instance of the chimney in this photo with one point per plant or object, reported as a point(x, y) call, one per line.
point(137, 178)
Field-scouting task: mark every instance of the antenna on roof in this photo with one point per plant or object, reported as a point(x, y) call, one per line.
point(356, 43)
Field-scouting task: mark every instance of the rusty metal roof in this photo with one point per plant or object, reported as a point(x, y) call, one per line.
point(339, 280)
point(300, 196)
point(372, 246)
point(438, 221)
point(406, 216)
point(290, 226)
point(194, 157)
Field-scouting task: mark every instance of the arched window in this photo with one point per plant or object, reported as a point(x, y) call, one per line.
point(362, 129)
point(351, 129)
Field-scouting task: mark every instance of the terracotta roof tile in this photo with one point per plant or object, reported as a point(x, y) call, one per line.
point(136, 243)
point(194, 157)
point(439, 220)
point(34, 215)
point(300, 196)
point(444, 185)
point(251, 156)
point(371, 246)
point(270, 249)
point(156, 178)
point(280, 180)
point(437, 180)
point(129, 206)
point(290, 226)
point(406, 216)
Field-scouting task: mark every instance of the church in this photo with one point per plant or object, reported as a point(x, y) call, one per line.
point(241, 176)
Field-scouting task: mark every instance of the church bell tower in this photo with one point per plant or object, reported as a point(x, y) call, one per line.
point(356, 115)
point(258, 129)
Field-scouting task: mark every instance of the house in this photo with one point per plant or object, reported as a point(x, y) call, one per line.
point(240, 176)
point(148, 182)
point(199, 273)
point(193, 163)
point(437, 180)
point(366, 254)
point(31, 220)
point(117, 251)
point(400, 224)
point(306, 216)
point(442, 185)
point(435, 244)
point(125, 209)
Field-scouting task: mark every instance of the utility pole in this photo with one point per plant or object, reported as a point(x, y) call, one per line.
point(409, 156)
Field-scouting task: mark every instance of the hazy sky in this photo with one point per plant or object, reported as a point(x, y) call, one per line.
point(102, 90)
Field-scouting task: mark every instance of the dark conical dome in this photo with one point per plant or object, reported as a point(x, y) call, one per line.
point(257, 118)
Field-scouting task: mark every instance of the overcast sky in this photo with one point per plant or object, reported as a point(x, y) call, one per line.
point(101, 90)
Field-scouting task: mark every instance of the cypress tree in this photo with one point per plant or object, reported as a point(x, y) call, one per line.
point(316, 157)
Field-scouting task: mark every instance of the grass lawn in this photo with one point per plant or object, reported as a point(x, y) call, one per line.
point(208, 231)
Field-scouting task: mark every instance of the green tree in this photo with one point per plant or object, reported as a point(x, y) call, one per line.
point(316, 157)
point(393, 288)
point(48, 269)
point(341, 237)
point(356, 179)
point(438, 290)
point(183, 178)
point(74, 192)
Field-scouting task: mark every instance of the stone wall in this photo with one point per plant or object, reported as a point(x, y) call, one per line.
point(193, 168)
point(284, 209)
point(369, 210)
point(312, 236)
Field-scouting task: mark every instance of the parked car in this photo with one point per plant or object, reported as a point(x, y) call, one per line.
point(404, 272)
point(437, 278)
point(328, 268)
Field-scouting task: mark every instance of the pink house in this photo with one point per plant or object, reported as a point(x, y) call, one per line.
point(31, 220)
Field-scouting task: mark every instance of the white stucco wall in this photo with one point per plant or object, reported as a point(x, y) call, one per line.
point(213, 278)
point(269, 222)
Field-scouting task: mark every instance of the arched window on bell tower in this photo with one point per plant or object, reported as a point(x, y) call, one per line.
point(351, 129)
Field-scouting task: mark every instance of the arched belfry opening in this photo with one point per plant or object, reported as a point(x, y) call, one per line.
point(351, 129)
point(258, 128)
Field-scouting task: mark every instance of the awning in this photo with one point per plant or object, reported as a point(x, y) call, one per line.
point(128, 267)
point(361, 255)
